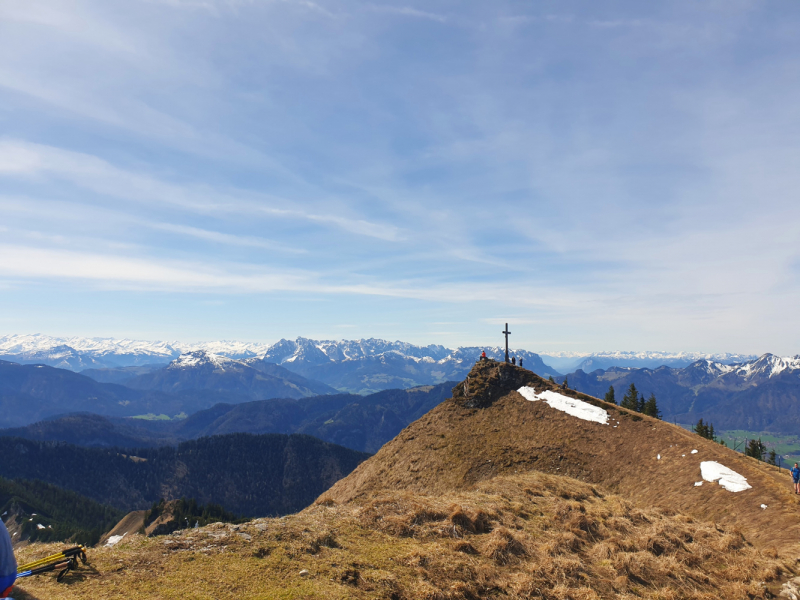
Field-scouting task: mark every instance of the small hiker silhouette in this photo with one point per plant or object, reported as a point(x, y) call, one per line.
point(513, 360)
point(483, 355)
point(520, 361)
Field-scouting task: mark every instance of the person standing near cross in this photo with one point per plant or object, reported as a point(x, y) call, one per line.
point(506, 333)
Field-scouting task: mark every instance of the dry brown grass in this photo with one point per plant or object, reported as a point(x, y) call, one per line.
point(525, 536)
point(455, 447)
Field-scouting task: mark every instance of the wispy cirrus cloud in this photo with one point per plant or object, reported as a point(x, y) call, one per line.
point(85, 171)
point(224, 238)
point(117, 271)
point(408, 11)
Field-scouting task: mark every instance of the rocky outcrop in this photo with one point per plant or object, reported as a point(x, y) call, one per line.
point(490, 380)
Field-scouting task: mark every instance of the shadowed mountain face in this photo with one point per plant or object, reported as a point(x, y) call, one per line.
point(496, 431)
point(30, 393)
point(759, 395)
point(200, 370)
point(247, 474)
point(120, 375)
point(359, 422)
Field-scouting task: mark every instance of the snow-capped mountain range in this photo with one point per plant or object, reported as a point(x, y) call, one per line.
point(764, 367)
point(79, 353)
point(39, 344)
point(308, 356)
point(572, 361)
point(756, 395)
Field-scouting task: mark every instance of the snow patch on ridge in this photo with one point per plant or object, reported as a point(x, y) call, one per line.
point(115, 539)
point(727, 478)
point(571, 406)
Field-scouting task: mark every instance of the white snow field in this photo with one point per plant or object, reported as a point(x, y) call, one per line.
point(571, 406)
point(727, 478)
point(115, 539)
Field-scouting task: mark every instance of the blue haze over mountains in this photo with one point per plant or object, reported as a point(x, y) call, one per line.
point(129, 378)
point(79, 353)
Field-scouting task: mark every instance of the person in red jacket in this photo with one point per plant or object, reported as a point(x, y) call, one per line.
point(483, 355)
point(8, 564)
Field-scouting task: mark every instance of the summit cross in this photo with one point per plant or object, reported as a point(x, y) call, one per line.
point(507, 333)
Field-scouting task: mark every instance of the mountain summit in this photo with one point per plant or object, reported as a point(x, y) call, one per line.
point(504, 420)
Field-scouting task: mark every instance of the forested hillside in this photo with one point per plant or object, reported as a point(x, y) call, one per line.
point(251, 475)
point(86, 429)
point(37, 511)
point(359, 422)
point(362, 423)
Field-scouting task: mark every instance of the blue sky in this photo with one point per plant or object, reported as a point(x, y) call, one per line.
point(618, 175)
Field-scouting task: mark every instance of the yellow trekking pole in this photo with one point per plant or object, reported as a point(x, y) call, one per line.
point(66, 559)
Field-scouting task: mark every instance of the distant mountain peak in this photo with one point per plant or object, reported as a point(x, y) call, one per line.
point(767, 366)
point(201, 358)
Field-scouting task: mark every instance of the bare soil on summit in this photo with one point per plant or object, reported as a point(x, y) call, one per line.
point(494, 431)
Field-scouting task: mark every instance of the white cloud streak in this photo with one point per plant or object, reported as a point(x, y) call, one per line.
point(108, 271)
point(224, 238)
point(408, 11)
point(89, 172)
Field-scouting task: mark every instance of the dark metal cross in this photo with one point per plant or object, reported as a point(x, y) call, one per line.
point(507, 333)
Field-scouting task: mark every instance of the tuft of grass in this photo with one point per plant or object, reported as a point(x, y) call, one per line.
point(525, 536)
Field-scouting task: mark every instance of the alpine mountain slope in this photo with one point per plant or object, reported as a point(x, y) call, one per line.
point(757, 395)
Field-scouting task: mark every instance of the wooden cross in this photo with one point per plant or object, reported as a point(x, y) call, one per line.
point(507, 333)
